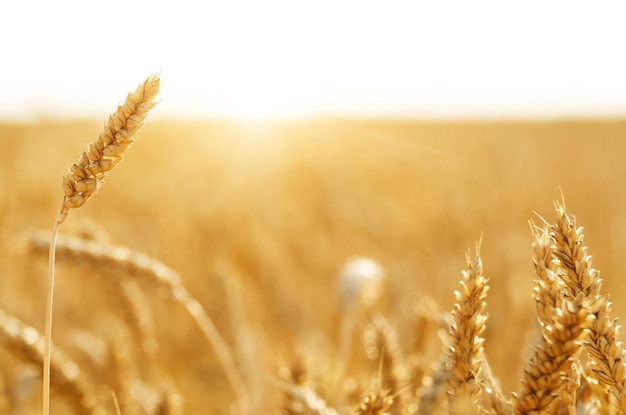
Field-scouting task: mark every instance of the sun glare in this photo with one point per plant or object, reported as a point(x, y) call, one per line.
point(260, 104)
point(256, 110)
point(273, 61)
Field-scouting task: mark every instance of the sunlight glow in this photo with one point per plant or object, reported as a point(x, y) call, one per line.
point(259, 105)
point(280, 59)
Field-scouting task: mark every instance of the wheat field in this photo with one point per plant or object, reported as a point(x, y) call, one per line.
point(253, 225)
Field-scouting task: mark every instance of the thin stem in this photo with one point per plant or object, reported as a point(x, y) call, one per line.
point(195, 309)
point(48, 329)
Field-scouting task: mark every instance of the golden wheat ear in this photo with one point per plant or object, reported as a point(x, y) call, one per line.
point(547, 379)
point(604, 349)
point(463, 366)
point(83, 178)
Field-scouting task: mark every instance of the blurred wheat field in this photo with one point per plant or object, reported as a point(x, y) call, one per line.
point(259, 220)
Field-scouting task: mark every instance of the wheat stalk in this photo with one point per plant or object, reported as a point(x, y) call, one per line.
point(123, 261)
point(82, 180)
point(606, 352)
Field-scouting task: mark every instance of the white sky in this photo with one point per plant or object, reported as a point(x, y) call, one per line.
point(67, 58)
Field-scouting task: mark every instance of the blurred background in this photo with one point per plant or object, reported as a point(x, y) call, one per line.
point(291, 137)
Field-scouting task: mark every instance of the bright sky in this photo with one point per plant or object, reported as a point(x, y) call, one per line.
point(270, 58)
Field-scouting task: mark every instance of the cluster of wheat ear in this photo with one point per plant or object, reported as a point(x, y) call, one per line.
point(577, 367)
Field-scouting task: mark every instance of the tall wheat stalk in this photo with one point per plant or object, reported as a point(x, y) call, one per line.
point(83, 178)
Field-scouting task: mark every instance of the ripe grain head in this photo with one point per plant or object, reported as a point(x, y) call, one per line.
point(83, 178)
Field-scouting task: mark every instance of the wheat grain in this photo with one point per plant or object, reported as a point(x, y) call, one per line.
point(568, 396)
point(548, 289)
point(546, 374)
point(464, 354)
point(608, 361)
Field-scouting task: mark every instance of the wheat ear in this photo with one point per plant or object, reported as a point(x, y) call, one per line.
point(548, 295)
point(26, 343)
point(131, 263)
point(606, 352)
point(563, 322)
point(463, 365)
point(82, 180)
